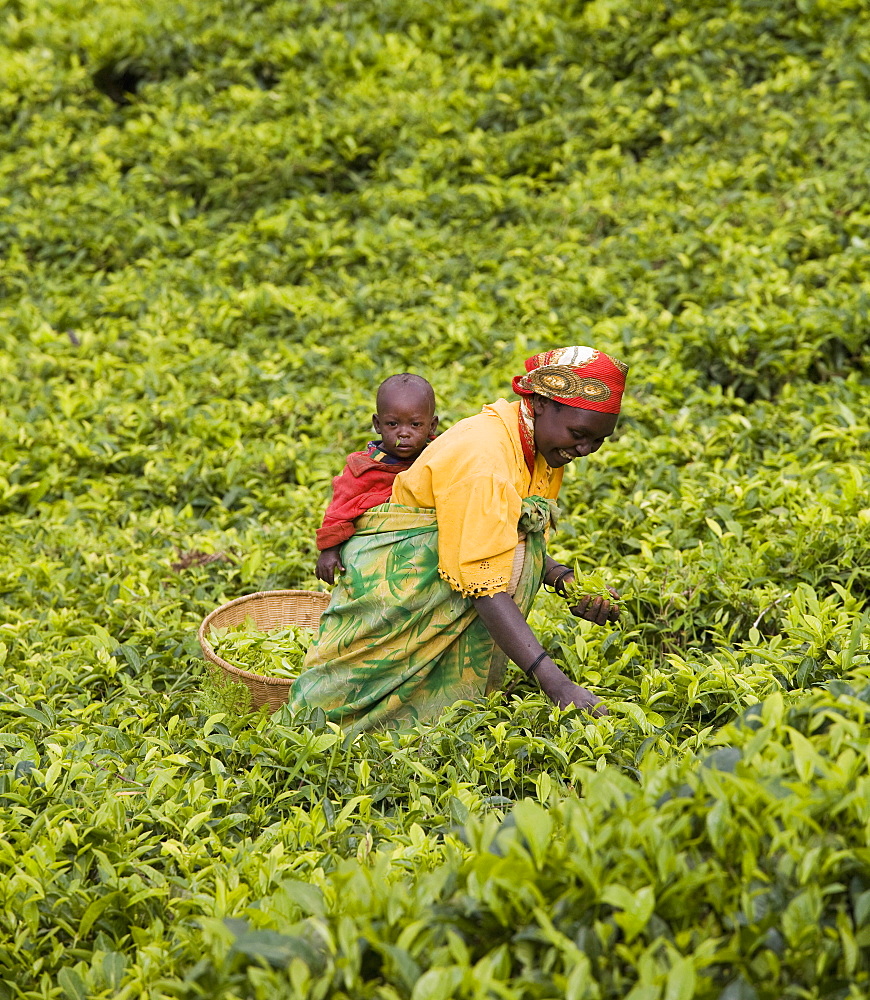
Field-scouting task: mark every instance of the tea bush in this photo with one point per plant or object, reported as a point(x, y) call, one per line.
point(221, 225)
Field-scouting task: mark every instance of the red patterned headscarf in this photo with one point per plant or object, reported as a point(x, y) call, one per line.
point(575, 376)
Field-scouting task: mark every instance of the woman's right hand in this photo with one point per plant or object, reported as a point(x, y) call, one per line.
point(597, 610)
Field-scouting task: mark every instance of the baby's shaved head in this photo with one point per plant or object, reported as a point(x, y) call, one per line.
point(406, 386)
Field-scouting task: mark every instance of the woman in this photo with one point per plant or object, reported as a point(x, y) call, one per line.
point(439, 581)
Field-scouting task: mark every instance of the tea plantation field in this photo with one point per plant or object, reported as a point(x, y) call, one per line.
point(221, 224)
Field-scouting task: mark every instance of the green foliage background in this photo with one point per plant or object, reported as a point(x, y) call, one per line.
point(222, 224)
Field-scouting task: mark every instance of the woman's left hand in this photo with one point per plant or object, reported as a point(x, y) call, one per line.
point(564, 692)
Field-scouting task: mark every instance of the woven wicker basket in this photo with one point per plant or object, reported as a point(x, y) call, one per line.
point(270, 610)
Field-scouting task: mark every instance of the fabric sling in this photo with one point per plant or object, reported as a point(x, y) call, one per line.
point(397, 644)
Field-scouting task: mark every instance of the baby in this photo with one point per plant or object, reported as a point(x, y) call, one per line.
point(406, 422)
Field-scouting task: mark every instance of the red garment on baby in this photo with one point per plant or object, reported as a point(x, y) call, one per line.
point(365, 482)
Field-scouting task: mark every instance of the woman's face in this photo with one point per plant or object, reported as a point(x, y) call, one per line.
point(563, 433)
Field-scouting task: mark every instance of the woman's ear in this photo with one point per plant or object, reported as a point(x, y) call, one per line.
point(539, 404)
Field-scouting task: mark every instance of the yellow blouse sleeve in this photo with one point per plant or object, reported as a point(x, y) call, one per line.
point(473, 476)
point(477, 534)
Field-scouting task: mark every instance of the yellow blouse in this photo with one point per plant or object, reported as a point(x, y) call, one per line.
point(475, 477)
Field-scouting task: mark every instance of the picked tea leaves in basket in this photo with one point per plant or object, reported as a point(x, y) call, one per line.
point(271, 654)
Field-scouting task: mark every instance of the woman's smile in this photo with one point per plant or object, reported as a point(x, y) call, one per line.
point(563, 433)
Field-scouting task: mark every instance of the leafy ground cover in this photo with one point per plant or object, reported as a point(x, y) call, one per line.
point(221, 225)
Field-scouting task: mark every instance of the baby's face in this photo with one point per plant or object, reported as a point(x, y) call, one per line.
point(404, 424)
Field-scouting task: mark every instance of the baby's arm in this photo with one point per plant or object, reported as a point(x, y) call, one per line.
point(328, 563)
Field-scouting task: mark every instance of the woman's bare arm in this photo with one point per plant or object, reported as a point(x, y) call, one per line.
point(511, 633)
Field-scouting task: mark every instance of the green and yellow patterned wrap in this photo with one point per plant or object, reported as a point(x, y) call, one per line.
point(396, 644)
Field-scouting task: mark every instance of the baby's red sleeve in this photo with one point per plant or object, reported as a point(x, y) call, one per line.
point(351, 496)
